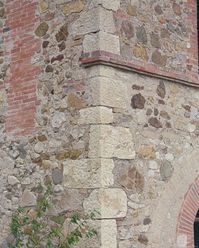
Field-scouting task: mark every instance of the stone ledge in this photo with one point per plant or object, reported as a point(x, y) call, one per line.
point(114, 60)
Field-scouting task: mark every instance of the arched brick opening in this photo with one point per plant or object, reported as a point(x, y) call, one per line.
point(186, 219)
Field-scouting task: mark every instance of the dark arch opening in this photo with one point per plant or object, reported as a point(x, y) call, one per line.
point(196, 231)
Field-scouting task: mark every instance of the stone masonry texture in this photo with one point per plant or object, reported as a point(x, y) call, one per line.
point(79, 109)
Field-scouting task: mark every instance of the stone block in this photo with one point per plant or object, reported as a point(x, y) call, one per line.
point(108, 234)
point(101, 41)
point(96, 115)
point(109, 92)
point(111, 203)
point(110, 5)
point(111, 142)
point(88, 173)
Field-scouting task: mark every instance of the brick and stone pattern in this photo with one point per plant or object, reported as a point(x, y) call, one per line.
point(111, 139)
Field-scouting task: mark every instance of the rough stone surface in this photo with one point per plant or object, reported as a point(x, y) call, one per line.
point(109, 142)
point(111, 203)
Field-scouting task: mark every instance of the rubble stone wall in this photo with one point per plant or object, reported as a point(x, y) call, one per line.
point(107, 138)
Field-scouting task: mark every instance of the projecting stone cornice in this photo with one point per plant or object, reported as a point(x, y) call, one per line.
point(114, 60)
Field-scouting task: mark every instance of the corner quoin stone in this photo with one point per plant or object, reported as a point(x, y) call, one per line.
point(88, 173)
point(111, 203)
point(107, 141)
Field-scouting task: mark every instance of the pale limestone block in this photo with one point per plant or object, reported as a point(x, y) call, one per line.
point(93, 20)
point(108, 234)
point(101, 41)
point(111, 203)
point(108, 142)
point(109, 92)
point(96, 115)
point(88, 173)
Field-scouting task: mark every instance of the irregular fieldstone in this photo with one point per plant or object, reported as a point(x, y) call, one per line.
point(149, 112)
point(132, 10)
point(140, 51)
point(62, 33)
point(158, 58)
point(143, 239)
point(12, 180)
point(28, 199)
point(154, 122)
point(2, 13)
point(166, 170)
point(165, 33)
point(161, 90)
point(141, 34)
point(158, 9)
point(75, 6)
point(132, 180)
point(39, 148)
point(45, 44)
point(156, 111)
point(155, 40)
point(127, 28)
point(57, 176)
point(138, 101)
point(147, 221)
point(165, 115)
point(49, 68)
point(42, 29)
point(42, 137)
point(43, 6)
point(58, 119)
point(59, 57)
point(137, 87)
point(69, 154)
point(1, 4)
point(147, 152)
point(62, 46)
point(75, 102)
point(177, 9)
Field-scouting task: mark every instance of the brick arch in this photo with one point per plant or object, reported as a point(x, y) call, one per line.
point(185, 228)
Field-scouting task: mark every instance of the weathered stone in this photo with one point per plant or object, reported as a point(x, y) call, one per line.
point(96, 115)
point(108, 142)
point(59, 57)
point(143, 239)
point(42, 29)
point(57, 176)
point(127, 28)
point(132, 180)
point(68, 154)
point(49, 68)
point(176, 9)
point(108, 234)
point(147, 221)
point(165, 33)
point(42, 137)
point(166, 170)
point(141, 34)
point(46, 164)
point(107, 92)
point(140, 51)
point(165, 115)
point(154, 122)
point(155, 40)
point(62, 33)
point(161, 90)
point(147, 152)
point(101, 41)
point(111, 203)
point(158, 9)
point(58, 119)
point(158, 58)
point(45, 44)
point(88, 173)
point(2, 13)
point(138, 101)
point(75, 6)
point(1, 4)
point(75, 101)
point(43, 6)
point(12, 180)
point(28, 199)
point(132, 10)
point(62, 46)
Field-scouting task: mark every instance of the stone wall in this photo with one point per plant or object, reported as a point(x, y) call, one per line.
point(108, 139)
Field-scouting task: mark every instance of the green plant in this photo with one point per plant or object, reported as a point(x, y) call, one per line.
point(36, 228)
